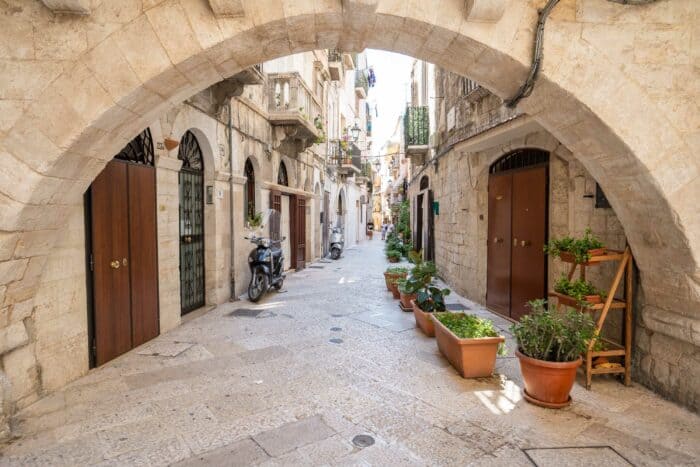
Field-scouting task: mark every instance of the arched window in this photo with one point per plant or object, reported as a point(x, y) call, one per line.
point(424, 182)
point(519, 159)
point(249, 189)
point(282, 175)
point(340, 204)
point(139, 150)
point(190, 153)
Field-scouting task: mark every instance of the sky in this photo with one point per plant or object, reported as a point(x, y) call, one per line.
point(390, 94)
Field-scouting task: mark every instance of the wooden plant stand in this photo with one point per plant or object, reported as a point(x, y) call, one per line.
point(612, 349)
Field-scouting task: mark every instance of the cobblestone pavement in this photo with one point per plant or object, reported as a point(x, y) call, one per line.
point(294, 379)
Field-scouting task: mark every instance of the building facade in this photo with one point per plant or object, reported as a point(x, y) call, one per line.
point(162, 229)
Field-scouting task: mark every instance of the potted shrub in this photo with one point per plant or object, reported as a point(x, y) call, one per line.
point(393, 256)
point(470, 343)
point(428, 300)
point(579, 293)
point(576, 250)
point(550, 345)
point(393, 274)
point(420, 276)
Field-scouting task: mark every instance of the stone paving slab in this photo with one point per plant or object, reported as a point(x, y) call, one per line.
point(271, 389)
point(577, 457)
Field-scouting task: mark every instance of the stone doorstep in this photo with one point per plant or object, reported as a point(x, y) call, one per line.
point(587, 455)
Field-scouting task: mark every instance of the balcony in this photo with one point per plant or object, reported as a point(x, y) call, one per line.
point(251, 75)
point(361, 84)
point(335, 64)
point(416, 126)
point(345, 158)
point(293, 107)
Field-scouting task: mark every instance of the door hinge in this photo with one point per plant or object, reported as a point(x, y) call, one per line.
point(92, 262)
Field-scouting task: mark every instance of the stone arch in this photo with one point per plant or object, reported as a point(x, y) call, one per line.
point(424, 183)
point(84, 102)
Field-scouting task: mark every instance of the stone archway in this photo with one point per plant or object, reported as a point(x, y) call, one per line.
point(69, 107)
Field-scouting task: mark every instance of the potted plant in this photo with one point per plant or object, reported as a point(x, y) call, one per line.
point(579, 250)
point(579, 293)
point(428, 300)
point(393, 256)
point(469, 343)
point(550, 345)
point(420, 276)
point(393, 274)
point(255, 220)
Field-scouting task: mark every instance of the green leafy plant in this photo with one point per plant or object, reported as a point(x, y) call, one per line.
point(546, 334)
point(397, 270)
point(255, 220)
point(578, 247)
point(467, 326)
point(577, 289)
point(403, 226)
point(431, 299)
point(393, 254)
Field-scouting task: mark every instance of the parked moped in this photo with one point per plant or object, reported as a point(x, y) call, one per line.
point(266, 261)
point(337, 242)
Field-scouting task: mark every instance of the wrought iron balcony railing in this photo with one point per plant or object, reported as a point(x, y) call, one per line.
point(416, 125)
point(361, 84)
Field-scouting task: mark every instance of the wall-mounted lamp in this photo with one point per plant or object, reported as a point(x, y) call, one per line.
point(171, 144)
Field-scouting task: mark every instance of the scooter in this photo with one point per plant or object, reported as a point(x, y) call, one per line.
point(266, 263)
point(337, 242)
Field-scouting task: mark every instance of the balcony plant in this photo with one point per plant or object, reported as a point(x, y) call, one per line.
point(578, 293)
point(578, 250)
point(469, 343)
point(254, 221)
point(429, 299)
point(550, 345)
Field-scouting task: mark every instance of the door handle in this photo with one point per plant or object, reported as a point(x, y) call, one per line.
point(497, 240)
point(515, 242)
point(525, 243)
point(114, 264)
point(124, 262)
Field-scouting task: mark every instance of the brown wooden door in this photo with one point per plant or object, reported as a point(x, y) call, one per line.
point(430, 228)
point(293, 232)
point(324, 224)
point(529, 231)
point(301, 232)
point(499, 244)
point(143, 253)
point(110, 240)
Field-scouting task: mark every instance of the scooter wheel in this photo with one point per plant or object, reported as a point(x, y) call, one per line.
point(278, 285)
point(258, 285)
point(335, 253)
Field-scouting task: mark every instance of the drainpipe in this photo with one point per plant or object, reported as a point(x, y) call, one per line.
point(233, 237)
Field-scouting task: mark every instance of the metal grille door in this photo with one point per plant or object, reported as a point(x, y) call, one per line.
point(191, 224)
point(191, 240)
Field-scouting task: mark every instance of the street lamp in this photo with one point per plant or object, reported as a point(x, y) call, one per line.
point(355, 132)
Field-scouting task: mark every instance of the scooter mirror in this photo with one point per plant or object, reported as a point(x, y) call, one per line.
point(283, 239)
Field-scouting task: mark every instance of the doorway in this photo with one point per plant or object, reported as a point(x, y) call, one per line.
point(297, 216)
point(325, 223)
point(122, 253)
point(424, 220)
point(517, 231)
point(191, 191)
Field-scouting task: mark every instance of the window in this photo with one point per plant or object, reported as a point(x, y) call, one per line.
point(139, 150)
point(468, 86)
point(282, 175)
point(249, 189)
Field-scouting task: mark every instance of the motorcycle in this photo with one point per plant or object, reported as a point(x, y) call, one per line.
point(266, 262)
point(337, 241)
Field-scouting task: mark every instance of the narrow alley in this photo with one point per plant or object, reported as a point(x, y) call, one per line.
point(295, 379)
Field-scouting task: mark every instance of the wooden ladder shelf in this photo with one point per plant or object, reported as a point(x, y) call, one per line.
point(612, 349)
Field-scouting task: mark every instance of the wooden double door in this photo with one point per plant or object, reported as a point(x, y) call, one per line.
point(517, 232)
point(297, 227)
point(424, 224)
point(123, 259)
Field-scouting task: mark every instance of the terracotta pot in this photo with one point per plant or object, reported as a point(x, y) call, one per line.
point(390, 278)
point(472, 358)
point(406, 299)
point(423, 320)
point(394, 288)
point(569, 257)
point(593, 299)
point(548, 384)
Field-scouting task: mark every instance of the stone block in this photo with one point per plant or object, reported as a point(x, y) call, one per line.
point(20, 311)
point(71, 7)
point(22, 371)
point(172, 27)
point(11, 271)
point(13, 336)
